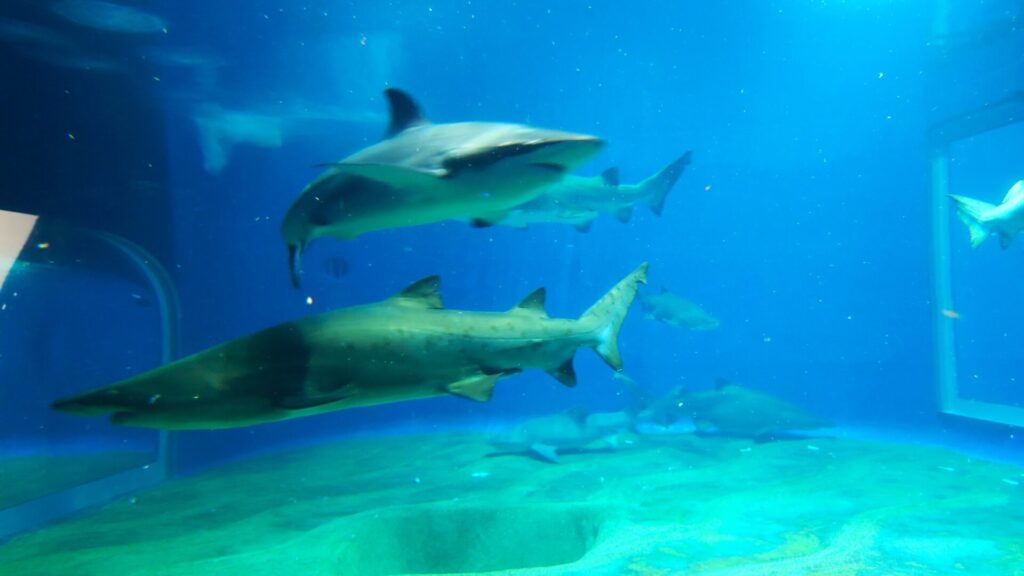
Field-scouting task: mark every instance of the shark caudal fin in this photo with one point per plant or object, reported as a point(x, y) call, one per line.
point(973, 213)
point(660, 184)
point(606, 315)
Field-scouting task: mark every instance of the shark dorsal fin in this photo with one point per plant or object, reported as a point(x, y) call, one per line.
point(1015, 192)
point(405, 112)
point(610, 176)
point(425, 293)
point(533, 303)
point(663, 289)
point(722, 383)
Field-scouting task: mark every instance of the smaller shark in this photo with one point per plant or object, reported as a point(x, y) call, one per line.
point(422, 173)
point(738, 411)
point(984, 219)
point(546, 437)
point(670, 309)
point(577, 200)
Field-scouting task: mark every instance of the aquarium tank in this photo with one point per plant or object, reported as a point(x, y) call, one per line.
point(661, 287)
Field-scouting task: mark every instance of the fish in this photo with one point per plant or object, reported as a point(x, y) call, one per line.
point(983, 219)
point(221, 130)
point(18, 32)
point(422, 173)
point(578, 200)
point(108, 17)
point(737, 411)
point(670, 309)
point(53, 48)
point(547, 437)
point(402, 348)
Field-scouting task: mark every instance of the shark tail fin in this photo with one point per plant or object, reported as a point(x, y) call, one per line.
point(605, 317)
point(973, 213)
point(663, 181)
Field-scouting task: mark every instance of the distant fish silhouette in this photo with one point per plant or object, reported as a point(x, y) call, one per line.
point(738, 411)
point(670, 309)
point(108, 17)
point(578, 200)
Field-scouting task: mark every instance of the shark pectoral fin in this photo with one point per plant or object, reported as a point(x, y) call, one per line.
point(488, 220)
point(313, 400)
point(624, 214)
point(585, 225)
point(565, 374)
point(479, 388)
point(390, 175)
point(545, 452)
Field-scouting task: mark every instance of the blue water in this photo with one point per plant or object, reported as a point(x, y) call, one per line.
point(803, 223)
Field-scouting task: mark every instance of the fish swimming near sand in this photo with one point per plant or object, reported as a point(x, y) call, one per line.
point(578, 201)
point(667, 308)
point(422, 173)
point(984, 219)
point(546, 437)
point(738, 411)
point(403, 348)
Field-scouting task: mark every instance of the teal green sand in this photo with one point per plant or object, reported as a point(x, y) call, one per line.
point(658, 506)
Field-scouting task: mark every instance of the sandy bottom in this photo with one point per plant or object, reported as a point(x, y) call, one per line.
point(24, 478)
point(657, 506)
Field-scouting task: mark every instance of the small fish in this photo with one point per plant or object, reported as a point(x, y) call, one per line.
point(947, 468)
point(141, 301)
point(951, 314)
point(1011, 482)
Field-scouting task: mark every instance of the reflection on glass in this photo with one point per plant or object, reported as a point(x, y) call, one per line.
point(69, 287)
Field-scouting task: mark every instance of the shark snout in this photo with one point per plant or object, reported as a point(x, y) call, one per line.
point(564, 150)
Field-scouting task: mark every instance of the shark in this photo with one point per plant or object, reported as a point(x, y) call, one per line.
point(737, 411)
point(675, 311)
point(984, 219)
point(406, 347)
point(422, 172)
point(579, 200)
point(547, 437)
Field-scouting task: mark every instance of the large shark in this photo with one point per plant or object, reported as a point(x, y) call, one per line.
point(578, 200)
point(738, 411)
point(545, 437)
point(423, 173)
point(403, 348)
point(984, 219)
point(675, 311)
